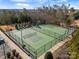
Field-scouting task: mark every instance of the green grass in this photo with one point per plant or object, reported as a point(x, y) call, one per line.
point(74, 45)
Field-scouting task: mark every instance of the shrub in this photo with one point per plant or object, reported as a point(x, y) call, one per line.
point(19, 57)
point(12, 57)
point(8, 54)
point(16, 55)
point(13, 52)
point(23, 46)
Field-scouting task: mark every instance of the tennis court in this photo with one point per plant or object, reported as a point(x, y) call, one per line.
point(39, 39)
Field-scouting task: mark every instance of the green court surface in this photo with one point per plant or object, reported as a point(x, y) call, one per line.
point(39, 39)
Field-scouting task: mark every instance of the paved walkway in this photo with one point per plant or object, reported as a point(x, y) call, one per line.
point(14, 46)
point(1, 52)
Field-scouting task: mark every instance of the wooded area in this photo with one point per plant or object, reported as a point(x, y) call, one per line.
point(54, 14)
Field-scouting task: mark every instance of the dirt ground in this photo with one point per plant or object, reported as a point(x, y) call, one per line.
point(7, 27)
point(75, 23)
